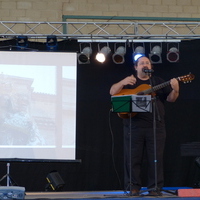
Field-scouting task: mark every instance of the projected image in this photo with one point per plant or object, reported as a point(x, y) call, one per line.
point(21, 92)
point(38, 106)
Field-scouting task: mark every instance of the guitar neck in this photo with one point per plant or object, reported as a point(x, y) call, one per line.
point(157, 87)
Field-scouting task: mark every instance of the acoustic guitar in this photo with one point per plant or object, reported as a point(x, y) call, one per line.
point(146, 89)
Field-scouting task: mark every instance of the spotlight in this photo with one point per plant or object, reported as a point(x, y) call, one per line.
point(173, 53)
point(84, 55)
point(155, 53)
point(103, 53)
point(22, 42)
point(138, 52)
point(55, 182)
point(51, 43)
point(118, 56)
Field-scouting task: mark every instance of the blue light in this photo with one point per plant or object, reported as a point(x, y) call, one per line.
point(22, 43)
point(51, 43)
point(137, 56)
point(139, 51)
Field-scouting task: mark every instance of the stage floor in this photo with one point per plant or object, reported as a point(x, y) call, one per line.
point(167, 194)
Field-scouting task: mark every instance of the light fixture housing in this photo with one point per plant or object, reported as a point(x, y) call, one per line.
point(85, 53)
point(173, 52)
point(22, 42)
point(103, 53)
point(155, 53)
point(118, 56)
point(55, 182)
point(51, 43)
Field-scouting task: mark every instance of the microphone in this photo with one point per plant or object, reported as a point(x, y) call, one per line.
point(148, 71)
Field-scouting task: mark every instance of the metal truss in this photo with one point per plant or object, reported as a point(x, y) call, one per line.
point(102, 30)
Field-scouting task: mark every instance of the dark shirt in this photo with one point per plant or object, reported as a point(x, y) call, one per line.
point(145, 119)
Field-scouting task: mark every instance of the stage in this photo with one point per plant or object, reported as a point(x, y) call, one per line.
point(167, 194)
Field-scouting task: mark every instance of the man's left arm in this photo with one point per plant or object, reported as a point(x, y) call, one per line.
point(173, 95)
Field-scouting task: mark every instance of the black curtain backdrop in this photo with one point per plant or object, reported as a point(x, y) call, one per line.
point(99, 131)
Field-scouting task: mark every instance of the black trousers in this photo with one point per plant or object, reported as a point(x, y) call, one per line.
point(143, 138)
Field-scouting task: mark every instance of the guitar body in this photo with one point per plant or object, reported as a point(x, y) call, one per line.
point(140, 88)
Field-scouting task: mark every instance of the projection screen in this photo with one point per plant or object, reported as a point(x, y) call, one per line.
point(38, 105)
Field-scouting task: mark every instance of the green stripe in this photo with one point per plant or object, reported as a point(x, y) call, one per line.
point(65, 17)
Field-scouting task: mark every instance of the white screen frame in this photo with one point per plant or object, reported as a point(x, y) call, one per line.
point(60, 61)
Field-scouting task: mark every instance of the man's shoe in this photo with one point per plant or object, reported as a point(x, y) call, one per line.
point(155, 193)
point(135, 192)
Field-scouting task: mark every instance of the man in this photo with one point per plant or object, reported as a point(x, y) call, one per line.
point(142, 130)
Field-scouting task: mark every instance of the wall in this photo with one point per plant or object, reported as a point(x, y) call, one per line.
point(51, 10)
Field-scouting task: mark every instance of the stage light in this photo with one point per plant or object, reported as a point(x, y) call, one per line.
point(55, 182)
point(85, 53)
point(51, 43)
point(155, 53)
point(139, 51)
point(118, 56)
point(102, 54)
point(22, 42)
point(173, 52)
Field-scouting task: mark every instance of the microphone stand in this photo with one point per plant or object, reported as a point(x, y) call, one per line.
point(154, 108)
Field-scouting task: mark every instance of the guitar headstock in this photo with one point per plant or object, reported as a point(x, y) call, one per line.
point(187, 78)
